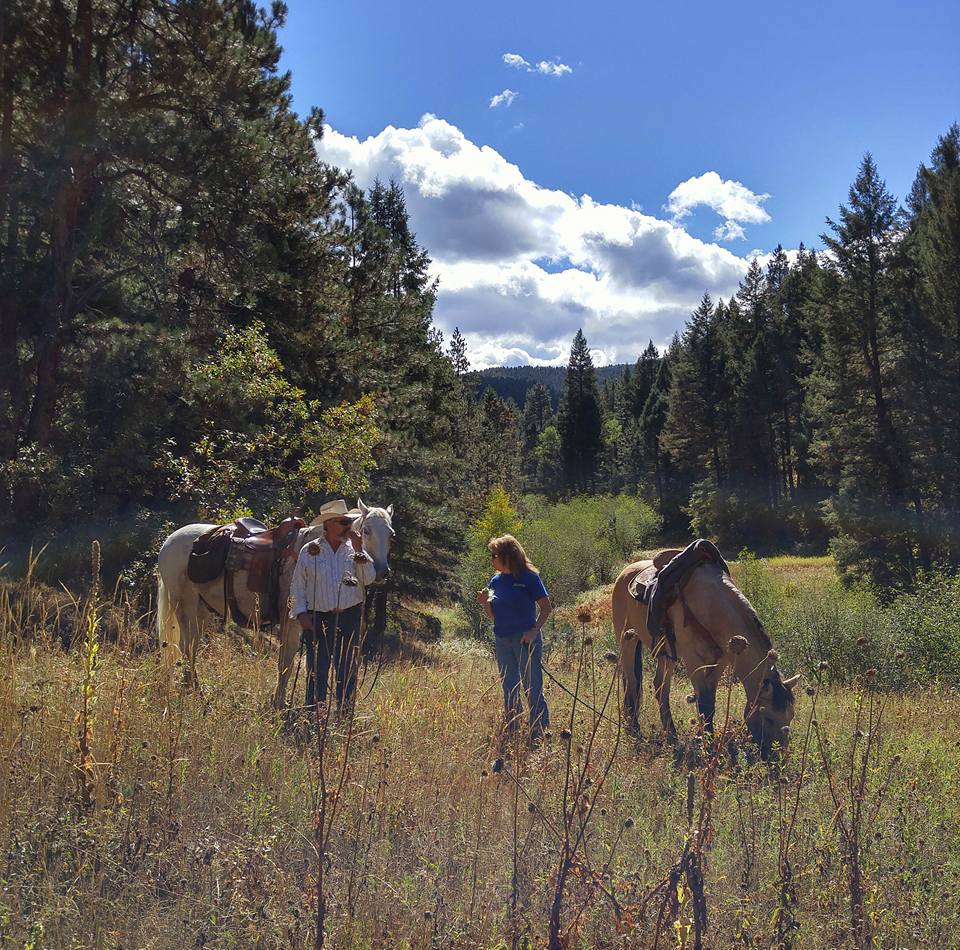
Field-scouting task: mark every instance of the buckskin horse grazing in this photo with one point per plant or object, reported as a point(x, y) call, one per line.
point(710, 626)
point(183, 605)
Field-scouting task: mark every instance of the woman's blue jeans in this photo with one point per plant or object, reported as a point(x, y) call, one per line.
point(520, 665)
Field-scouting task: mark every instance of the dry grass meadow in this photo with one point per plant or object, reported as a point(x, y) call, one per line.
point(134, 813)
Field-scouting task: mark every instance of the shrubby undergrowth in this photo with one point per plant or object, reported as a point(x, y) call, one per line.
point(912, 642)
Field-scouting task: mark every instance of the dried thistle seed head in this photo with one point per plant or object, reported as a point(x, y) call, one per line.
point(871, 674)
point(531, 807)
point(484, 773)
point(736, 645)
point(628, 823)
point(428, 915)
point(899, 655)
point(861, 641)
point(566, 735)
point(822, 665)
point(588, 641)
point(497, 766)
point(584, 615)
point(810, 691)
point(375, 739)
point(610, 656)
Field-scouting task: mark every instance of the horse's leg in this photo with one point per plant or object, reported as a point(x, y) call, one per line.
point(188, 617)
point(707, 705)
point(289, 644)
point(706, 667)
point(631, 666)
point(661, 689)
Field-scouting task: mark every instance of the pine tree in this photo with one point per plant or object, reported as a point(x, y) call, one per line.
point(669, 484)
point(549, 462)
point(580, 420)
point(929, 287)
point(458, 353)
point(537, 415)
point(857, 389)
point(693, 433)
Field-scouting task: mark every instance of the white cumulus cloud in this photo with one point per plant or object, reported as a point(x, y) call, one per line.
point(553, 69)
point(522, 266)
point(545, 67)
point(733, 201)
point(516, 60)
point(504, 98)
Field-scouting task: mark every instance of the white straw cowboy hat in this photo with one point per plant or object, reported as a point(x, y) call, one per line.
point(333, 509)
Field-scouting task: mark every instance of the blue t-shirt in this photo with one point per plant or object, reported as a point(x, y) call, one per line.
point(514, 602)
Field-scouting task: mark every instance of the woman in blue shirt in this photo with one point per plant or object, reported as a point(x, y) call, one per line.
point(519, 606)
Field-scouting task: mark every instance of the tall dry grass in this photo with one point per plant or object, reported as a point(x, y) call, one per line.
point(134, 813)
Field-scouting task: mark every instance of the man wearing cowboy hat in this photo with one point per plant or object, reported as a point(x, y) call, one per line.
point(328, 588)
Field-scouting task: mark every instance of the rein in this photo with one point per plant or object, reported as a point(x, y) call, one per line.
point(580, 700)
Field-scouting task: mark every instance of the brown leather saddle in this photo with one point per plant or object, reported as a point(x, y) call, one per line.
point(246, 545)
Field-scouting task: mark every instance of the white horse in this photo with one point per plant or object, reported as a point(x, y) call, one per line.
point(182, 606)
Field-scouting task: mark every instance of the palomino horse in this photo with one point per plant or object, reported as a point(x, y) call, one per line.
point(715, 627)
point(182, 606)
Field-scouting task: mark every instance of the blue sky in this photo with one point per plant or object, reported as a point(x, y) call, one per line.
point(752, 116)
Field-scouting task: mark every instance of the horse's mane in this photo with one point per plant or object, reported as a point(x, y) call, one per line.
point(747, 608)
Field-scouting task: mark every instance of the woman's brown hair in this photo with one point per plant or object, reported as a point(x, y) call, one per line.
point(511, 554)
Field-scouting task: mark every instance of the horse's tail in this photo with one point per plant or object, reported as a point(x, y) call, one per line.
point(621, 621)
point(168, 630)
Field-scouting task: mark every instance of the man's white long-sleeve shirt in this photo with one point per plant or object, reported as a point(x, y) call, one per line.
point(318, 578)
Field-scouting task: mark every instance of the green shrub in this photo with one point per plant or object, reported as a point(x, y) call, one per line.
point(912, 642)
point(582, 543)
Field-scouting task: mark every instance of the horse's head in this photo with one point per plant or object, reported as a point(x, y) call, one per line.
point(768, 718)
point(376, 527)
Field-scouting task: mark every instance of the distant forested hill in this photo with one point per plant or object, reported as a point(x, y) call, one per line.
point(512, 382)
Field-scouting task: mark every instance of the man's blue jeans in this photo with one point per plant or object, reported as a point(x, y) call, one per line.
point(520, 665)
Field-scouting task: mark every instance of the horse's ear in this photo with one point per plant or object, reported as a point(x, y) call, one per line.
point(792, 681)
point(390, 509)
point(363, 508)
